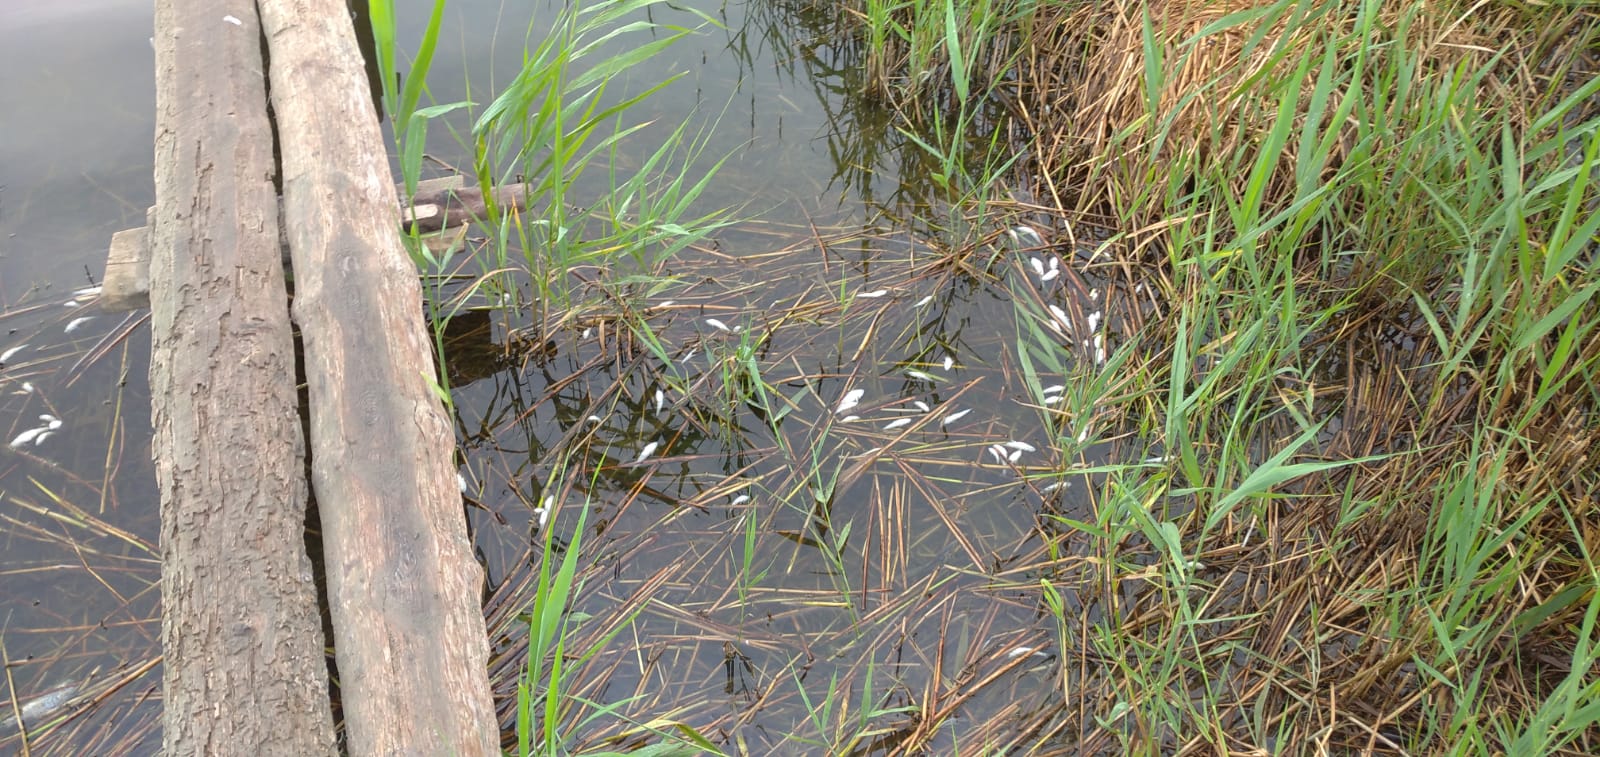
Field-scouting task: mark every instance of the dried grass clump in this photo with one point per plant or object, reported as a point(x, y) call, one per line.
point(1127, 95)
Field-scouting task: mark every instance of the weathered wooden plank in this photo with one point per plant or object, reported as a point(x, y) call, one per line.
point(434, 207)
point(127, 279)
point(126, 285)
point(243, 668)
point(404, 590)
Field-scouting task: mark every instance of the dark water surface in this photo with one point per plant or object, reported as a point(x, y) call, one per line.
point(765, 568)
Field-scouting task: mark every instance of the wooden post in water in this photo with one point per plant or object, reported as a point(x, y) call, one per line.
point(404, 590)
point(244, 670)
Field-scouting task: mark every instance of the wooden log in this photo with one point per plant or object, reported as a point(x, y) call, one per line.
point(244, 670)
point(404, 590)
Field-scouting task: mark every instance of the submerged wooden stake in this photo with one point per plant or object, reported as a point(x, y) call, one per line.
point(243, 667)
point(404, 590)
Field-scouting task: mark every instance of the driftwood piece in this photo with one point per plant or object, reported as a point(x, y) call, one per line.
point(127, 279)
point(243, 667)
point(403, 588)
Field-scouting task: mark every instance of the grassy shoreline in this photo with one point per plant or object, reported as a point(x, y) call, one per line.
point(1355, 330)
point(1305, 301)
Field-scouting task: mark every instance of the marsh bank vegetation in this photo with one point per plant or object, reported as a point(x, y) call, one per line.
point(1212, 378)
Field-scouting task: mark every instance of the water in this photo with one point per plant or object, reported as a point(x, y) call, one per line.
point(765, 555)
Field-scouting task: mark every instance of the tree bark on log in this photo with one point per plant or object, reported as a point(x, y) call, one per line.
point(244, 669)
point(404, 590)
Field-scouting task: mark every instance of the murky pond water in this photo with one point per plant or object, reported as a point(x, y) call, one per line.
point(861, 528)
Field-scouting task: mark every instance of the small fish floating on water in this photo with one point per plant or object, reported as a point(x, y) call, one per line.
point(851, 399)
point(953, 417)
point(649, 449)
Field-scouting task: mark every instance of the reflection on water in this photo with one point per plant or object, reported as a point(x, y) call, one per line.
point(772, 546)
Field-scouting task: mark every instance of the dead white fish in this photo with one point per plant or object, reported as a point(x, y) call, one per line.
point(953, 417)
point(921, 376)
point(586, 333)
point(649, 449)
point(894, 424)
point(77, 323)
point(1094, 321)
point(8, 354)
point(949, 362)
point(998, 451)
point(87, 292)
point(849, 418)
point(232, 20)
point(1055, 264)
point(1025, 236)
point(1038, 266)
point(739, 500)
point(1020, 651)
point(851, 399)
point(1050, 275)
point(42, 707)
point(1099, 349)
point(920, 405)
point(28, 437)
point(1014, 456)
point(874, 294)
point(923, 301)
point(73, 303)
point(27, 388)
point(50, 421)
point(1053, 389)
point(461, 482)
point(39, 441)
point(1021, 446)
point(661, 401)
point(718, 325)
point(593, 419)
point(542, 512)
point(1061, 317)
point(665, 304)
